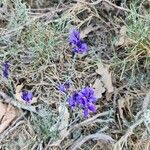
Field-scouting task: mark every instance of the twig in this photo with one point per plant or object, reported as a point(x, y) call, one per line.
point(8, 99)
point(96, 136)
point(110, 3)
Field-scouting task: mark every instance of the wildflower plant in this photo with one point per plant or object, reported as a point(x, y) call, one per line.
point(79, 46)
point(84, 99)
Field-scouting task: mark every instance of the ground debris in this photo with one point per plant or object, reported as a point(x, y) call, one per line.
point(105, 77)
point(7, 114)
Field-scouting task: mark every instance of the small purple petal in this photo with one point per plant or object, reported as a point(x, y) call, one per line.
point(67, 85)
point(92, 99)
point(74, 37)
point(86, 112)
point(61, 87)
point(83, 47)
point(5, 70)
point(79, 45)
point(72, 103)
point(64, 87)
point(92, 108)
point(27, 96)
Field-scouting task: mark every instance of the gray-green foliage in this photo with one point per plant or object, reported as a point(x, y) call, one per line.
point(43, 126)
point(19, 15)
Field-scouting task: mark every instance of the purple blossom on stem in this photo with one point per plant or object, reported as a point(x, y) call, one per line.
point(64, 87)
point(5, 69)
point(85, 99)
point(27, 96)
point(79, 45)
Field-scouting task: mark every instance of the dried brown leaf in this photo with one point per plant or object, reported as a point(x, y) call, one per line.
point(19, 88)
point(3, 108)
point(98, 88)
point(124, 107)
point(105, 77)
point(121, 105)
point(9, 115)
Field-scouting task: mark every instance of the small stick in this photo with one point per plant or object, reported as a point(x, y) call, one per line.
point(113, 5)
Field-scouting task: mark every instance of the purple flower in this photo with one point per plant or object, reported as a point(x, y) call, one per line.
point(79, 45)
point(84, 99)
point(27, 96)
point(64, 87)
point(5, 69)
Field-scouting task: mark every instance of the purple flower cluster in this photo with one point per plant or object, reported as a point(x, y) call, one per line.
point(85, 99)
point(27, 96)
point(5, 69)
point(79, 45)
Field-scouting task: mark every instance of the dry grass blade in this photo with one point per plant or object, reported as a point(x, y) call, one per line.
point(96, 136)
point(121, 142)
point(146, 102)
point(91, 120)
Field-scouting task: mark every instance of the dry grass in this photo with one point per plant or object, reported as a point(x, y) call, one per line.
point(35, 41)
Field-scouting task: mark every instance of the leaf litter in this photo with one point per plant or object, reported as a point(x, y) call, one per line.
point(105, 77)
point(7, 114)
point(98, 88)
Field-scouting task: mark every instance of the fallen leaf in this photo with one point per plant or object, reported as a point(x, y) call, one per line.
point(98, 88)
point(64, 115)
point(84, 33)
point(9, 113)
point(105, 77)
point(124, 108)
point(19, 88)
point(2, 109)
